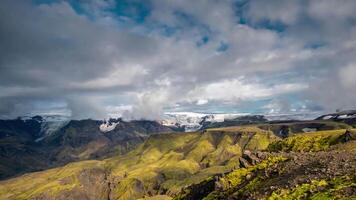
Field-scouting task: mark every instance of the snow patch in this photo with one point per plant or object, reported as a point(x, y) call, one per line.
point(307, 130)
point(108, 126)
point(49, 124)
point(346, 116)
point(328, 117)
point(192, 121)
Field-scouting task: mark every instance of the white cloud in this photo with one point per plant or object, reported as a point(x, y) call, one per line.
point(202, 102)
point(98, 65)
point(331, 10)
point(238, 89)
point(347, 76)
point(275, 10)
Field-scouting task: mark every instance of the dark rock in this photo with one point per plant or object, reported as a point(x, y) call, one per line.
point(250, 157)
point(244, 163)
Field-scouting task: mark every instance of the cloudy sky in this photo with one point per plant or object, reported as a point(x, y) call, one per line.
point(94, 58)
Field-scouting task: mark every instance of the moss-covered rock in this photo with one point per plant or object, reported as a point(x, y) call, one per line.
point(318, 165)
point(313, 141)
point(336, 188)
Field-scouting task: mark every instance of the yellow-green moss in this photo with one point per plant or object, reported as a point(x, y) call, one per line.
point(306, 142)
point(235, 178)
point(49, 181)
point(316, 190)
point(180, 158)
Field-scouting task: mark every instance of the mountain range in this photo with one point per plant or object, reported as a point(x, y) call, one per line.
point(38, 143)
point(244, 157)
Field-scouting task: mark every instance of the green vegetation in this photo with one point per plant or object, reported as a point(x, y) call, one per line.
point(229, 184)
point(317, 190)
point(187, 158)
point(307, 142)
point(187, 165)
point(267, 177)
point(50, 181)
point(235, 178)
point(164, 162)
point(297, 127)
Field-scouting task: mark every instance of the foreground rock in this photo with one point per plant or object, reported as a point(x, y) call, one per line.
point(297, 174)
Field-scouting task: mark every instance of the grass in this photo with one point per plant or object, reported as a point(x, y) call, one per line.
point(235, 178)
point(317, 190)
point(308, 142)
point(231, 181)
point(297, 127)
point(170, 161)
point(49, 181)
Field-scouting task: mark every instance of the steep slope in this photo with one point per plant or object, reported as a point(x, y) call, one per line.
point(83, 139)
point(163, 164)
point(318, 165)
point(18, 149)
point(29, 145)
point(25, 147)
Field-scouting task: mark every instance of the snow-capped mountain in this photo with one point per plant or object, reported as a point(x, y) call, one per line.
point(38, 143)
point(292, 116)
point(49, 124)
point(192, 121)
point(347, 114)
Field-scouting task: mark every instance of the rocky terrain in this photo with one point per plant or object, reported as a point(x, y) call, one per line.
point(27, 145)
point(244, 162)
point(322, 168)
point(114, 159)
point(163, 164)
point(38, 143)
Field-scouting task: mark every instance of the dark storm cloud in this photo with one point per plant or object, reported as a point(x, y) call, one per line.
point(51, 51)
point(99, 58)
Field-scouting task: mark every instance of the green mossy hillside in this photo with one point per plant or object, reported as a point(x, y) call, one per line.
point(315, 165)
point(52, 182)
point(313, 141)
point(163, 164)
point(187, 165)
point(227, 183)
point(318, 190)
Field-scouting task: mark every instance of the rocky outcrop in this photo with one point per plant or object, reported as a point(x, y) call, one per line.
point(251, 158)
point(325, 174)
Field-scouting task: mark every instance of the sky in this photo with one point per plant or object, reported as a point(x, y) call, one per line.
point(140, 59)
